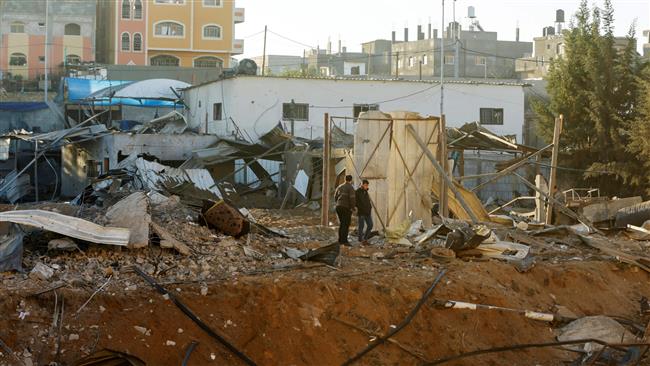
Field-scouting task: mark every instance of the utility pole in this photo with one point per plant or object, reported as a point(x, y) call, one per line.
point(456, 44)
point(444, 210)
point(325, 195)
point(420, 69)
point(47, 42)
point(264, 53)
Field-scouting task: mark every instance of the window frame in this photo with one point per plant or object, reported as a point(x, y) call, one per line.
point(358, 108)
point(287, 117)
point(218, 59)
point(496, 114)
point(425, 59)
point(212, 6)
point(217, 107)
point(205, 26)
point(169, 2)
point(71, 63)
point(65, 30)
point(133, 42)
point(18, 54)
point(452, 58)
point(128, 35)
point(13, 24)
point(135, 8)
point(166, 55)
point(477, 58)
point(128, 3)
point(166, 36)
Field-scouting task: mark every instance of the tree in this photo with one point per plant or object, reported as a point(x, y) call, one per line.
point(595, 85)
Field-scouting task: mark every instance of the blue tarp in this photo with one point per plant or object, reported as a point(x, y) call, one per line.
point(22, 106)
point(86, 91)
point(79, 89)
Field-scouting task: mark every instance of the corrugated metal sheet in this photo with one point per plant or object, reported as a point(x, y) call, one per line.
point(4, 148)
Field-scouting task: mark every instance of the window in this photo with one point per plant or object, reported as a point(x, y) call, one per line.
point(126, 42)
point(295, 111)
point(359, 108)
point(411, 63)
point(212, 31)
point(41, 59)
point(449, 60)
point(399, 63)
point(212, 3)
point(72, 29)
point(425, 60)
point(164, 60)
point(491, 116)
point(355, 70)
point(126, 9)
point(137, 42)
point(217, 110)
point(17, 27)
point(169, 29)
point(17, 59)
point(208, 62)
point(480, 60)
point(172, 2)
point(137, 9)
point(72, 60)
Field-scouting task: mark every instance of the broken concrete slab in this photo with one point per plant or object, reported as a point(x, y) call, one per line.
point(132, 212)
point(69, 226)
point(41, 272)
point(606, 210)
point(64, 244)
point(168, 241)
point(595, 327)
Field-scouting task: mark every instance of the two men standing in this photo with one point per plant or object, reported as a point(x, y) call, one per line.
point(347, 199)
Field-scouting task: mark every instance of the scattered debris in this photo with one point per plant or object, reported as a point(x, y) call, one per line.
point(595, 327)
point(109, 357)
point(132, 212)
point(41, 272)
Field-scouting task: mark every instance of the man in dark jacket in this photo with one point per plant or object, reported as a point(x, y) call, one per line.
point(345, 203)
point(364, 209)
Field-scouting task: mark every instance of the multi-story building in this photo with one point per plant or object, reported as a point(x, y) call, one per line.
point(186, 33)
point(549, 47)
point(342, 63)
point(66, 26)
point(473, 53)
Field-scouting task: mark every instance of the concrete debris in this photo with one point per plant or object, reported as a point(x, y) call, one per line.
point(41, 272)
point(132, 212)
point(602, 328)
point(63, 244)
point(167, 240)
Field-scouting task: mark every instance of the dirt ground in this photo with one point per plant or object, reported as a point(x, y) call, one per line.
point(284, 312)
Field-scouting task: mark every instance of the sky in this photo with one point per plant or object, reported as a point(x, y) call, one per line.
point(310, 22)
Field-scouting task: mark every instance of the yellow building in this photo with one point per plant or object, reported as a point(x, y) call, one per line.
point(192, 33)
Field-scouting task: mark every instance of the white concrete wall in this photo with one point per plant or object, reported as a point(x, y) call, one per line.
point(255, 103)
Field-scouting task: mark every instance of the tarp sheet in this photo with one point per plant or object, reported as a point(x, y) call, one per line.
point(22, 106)
point(146, 93)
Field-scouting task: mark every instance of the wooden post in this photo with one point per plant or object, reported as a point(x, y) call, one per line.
point(442, 173)
point(325, 200)
point(444, 187)
point(264, 53)
point(461, 163)
point(552, 182)
point(36, 168)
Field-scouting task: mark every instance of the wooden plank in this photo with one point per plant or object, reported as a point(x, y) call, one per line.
point(552, 182)
point(325, 200)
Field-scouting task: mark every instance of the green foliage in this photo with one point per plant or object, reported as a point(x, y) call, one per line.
point(596, 86)
point(299, 73)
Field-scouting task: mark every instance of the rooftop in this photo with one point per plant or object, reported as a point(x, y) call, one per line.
point(495, 82)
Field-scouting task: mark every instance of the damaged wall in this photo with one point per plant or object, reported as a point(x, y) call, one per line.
point(256, 103)
point(82, 161)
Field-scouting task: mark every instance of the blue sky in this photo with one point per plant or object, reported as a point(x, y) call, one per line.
point(355, 21)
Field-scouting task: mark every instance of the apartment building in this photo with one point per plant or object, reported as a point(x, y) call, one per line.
point(69, 26)
point(185, 33)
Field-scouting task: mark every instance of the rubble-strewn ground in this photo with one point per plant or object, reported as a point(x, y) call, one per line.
point(281, 311)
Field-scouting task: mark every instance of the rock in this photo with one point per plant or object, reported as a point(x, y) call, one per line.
point(170, 343)
point(204, 291)
point(64, 244)
point(142, 330)
point(73, 337)
point(41, 272)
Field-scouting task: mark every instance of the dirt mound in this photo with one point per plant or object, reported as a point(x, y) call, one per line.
point(312, 316)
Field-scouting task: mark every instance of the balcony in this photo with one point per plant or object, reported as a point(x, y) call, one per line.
point(240, 15)
point(238, 47)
